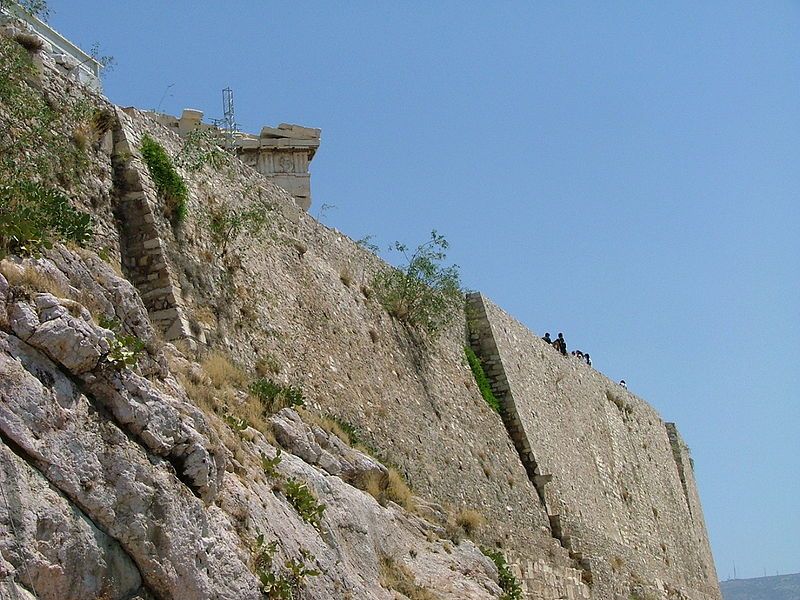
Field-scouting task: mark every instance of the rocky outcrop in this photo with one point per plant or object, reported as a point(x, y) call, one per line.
point(117, 487)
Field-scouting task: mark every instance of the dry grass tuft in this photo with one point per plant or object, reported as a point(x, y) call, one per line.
point(471, 521)
point(223, 372)
point(396, 576)
point(385, 487)
point(617, 562)
point(346, 277)
point(206, 316)
point(32, 280)
point(327, 423)
point(267, 365)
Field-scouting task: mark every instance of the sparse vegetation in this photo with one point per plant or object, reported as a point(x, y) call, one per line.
point(201, 148)
point(37, 8)
point(367, 243)
point(281, 583)
point(470, 520)
point(35, 145)
point(396, 576)
point(512, 590)
point(223, 372)
point(226, 223)
point(169, 183)
point(270, 465)
point(267, 365)
point(33, 217)
point(421, 293)
point(304, 502)
point(125, 351)
point(32, 280)
point(274, 396)
point(480, 378)
point(385, 487)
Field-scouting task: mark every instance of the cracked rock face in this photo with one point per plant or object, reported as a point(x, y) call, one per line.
point(43, 536)
point(118, 486)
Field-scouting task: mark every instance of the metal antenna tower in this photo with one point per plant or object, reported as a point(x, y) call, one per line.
point(229, 119)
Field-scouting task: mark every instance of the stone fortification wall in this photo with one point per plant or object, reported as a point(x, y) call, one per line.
point(619, 492)
point(143, 226)
point(300, 296)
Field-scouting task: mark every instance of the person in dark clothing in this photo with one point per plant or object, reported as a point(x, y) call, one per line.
point(587, 359)
point(547, 339)
point(562, 344)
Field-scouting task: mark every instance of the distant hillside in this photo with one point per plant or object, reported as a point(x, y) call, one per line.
point(779, 587)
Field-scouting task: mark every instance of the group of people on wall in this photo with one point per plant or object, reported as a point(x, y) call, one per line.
point(560, 344)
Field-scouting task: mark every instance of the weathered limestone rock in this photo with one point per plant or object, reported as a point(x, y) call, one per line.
point(318, 447)
point(44, 537)
point(166, 426)
point(131, 494)
point(74, 342)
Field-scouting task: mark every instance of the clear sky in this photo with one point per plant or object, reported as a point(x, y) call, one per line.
point(627, 173)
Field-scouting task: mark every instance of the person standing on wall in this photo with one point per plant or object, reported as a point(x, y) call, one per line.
point(562, 344)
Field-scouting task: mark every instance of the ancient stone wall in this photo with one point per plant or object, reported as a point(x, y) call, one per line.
point(143, 226)
point(603, 462)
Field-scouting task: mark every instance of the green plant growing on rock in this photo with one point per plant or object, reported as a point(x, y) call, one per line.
point(423, 292)
point(238, 424)
point(281, 584)
point(226, 223)
point(35, 144)
point(270, 465)
point(169, 182)
point(512, 590)
point(481, 379)
point(33, 217)
point(125, 351)
point(304, 502)
point(274, 396)
point(200, 148)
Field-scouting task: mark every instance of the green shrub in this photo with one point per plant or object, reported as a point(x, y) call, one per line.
point(169, 183)
point(304, 502)
point(35, 140)
point(270, 465)
point(125, 350)
point(226, 223)
point(33, 217)
point(275, 396)
point(422, 292)
point(238, 424)
point(286, 583)
point(480, 378)
point(201, 148)
point(512, 590)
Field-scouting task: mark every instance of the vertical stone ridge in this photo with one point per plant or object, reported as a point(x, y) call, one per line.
point(143, 253)
point(677, 453)
point(482, 342)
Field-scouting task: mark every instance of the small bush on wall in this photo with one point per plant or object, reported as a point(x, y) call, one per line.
point(422, 292)
point(169, 183)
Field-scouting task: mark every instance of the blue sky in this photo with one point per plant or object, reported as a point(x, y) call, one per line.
point(627, 173)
